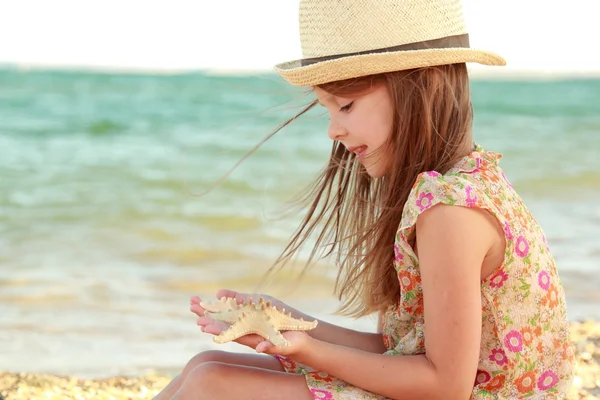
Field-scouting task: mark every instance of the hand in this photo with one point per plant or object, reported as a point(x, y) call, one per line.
point(239, 297)
point(296, 339)
point(197, 309)
point(299, 342)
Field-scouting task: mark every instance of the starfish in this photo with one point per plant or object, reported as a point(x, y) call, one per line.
point(260, 318)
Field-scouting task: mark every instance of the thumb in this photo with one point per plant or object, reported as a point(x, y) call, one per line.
point(239, 297)
point(265, 347)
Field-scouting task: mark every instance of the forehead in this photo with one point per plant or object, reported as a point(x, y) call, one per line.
point(374, 93)
point(322, 96)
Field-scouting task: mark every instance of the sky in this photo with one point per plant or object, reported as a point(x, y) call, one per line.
point(242, 35)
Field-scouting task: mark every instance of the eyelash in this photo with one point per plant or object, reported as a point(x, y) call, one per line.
point(346, 108)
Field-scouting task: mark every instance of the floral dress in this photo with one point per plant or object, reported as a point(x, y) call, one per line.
point(525, 350)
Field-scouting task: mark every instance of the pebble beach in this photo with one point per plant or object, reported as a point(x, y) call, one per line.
point(585, 337)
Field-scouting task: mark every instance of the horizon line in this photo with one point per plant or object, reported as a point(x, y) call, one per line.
point(474, 71)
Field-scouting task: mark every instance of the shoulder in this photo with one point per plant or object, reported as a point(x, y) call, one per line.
point(452, 228)
point(463, 185)
point(431, 189)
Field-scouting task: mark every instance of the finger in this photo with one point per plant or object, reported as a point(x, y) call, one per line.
point(195, 300)
point(251, 340)
point(197, 309)
point(239, 297)
point(204, 321)
point(211, 328)
point(265, 347)
point(209, 321)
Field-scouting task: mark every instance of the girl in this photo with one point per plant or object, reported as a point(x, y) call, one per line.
point(430, 234)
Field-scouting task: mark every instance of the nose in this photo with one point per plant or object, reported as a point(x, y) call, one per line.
point(336, 131)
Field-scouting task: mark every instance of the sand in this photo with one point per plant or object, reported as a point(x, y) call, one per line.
point(21, 386)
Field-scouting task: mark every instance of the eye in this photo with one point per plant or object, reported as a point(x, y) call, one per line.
point(346, 108)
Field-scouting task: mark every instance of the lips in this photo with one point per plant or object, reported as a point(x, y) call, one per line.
point(358, 150)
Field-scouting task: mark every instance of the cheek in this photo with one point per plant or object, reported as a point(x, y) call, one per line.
point(383, 120)
point(380, 129)
point(373, 131)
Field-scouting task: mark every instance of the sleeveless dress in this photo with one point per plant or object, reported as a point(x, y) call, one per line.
point(525, 350)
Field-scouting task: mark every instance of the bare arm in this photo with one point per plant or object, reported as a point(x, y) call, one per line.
point(453, 242)
point(326, 332)
point(334, 334)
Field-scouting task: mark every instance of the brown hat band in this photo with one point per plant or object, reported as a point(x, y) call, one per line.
point(442, 43)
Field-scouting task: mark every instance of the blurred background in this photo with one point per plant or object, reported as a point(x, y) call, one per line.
point(114, 116)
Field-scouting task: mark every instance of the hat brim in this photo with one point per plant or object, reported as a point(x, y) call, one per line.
point(356, 66)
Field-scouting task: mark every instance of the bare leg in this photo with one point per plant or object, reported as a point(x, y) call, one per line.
point(216, 380)
point(251, 360)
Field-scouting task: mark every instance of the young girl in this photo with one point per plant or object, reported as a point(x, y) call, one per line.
point(430, 234)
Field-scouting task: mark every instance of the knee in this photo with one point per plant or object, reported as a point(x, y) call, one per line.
point(207, 377)
point(204, 357)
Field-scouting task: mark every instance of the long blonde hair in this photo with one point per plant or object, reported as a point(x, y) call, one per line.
point(357, 216)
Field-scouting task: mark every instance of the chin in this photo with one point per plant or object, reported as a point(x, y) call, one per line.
point(375, 172)
point(375, 167)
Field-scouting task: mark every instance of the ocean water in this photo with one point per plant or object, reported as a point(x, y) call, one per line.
point(103, 237)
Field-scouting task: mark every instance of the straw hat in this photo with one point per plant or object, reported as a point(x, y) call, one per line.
point(344, 39)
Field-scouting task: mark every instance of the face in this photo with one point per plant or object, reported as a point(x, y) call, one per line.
point(362, 124)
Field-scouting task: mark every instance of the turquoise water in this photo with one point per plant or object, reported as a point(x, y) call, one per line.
point(101, 243)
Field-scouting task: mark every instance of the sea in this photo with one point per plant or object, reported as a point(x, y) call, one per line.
point(119, 200)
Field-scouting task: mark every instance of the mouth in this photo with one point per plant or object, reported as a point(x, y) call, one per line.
point(360, 151)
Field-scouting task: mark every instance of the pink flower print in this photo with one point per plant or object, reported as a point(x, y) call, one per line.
point(424, 201)
point(498, 356)
point(506, 179)
point(471, 201)
point(387, 341)
point(544, 280)
point(547, 380)
point(478, 162)
point(498, 279)
point(433, 174)
point(545, 242)
point(321, 394)
point(507, 231)
point(482, 377)
point(287, 363)
point(514, 341)
point(522, 247)
point(398, 256)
